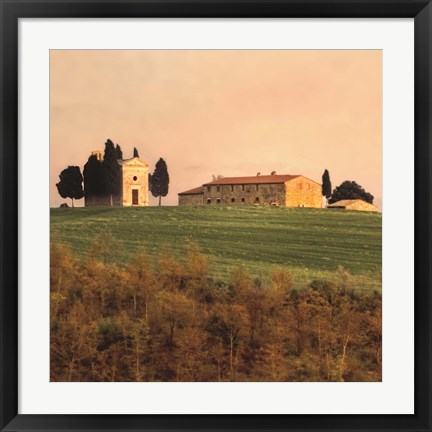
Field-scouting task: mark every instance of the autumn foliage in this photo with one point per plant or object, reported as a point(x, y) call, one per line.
point(166, 320)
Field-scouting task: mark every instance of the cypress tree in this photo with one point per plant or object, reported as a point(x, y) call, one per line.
point(111, 170)
point(119, 152)
point(326, 184)
point(135, 154)
point(160, 180)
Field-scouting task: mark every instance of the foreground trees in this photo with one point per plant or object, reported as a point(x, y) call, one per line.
point(168, 321)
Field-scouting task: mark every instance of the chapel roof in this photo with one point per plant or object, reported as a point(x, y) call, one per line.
point(125, 161)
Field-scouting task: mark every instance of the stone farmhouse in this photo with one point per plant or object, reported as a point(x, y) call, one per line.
point(133, 188)
point(284, 190)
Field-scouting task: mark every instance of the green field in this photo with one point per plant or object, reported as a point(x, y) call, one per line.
point(312, 243)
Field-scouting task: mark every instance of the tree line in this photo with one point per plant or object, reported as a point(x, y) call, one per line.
point(167, 320)
point(346, 190)
point(103, 178)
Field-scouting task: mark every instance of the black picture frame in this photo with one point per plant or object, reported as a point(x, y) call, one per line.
point(12, 10)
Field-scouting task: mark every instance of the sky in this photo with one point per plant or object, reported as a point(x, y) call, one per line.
point(221, 112)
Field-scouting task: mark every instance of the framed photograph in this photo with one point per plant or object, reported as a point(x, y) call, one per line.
point(215, 215)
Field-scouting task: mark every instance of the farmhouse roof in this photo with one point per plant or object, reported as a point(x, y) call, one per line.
point(277, 178)
point(195, 191)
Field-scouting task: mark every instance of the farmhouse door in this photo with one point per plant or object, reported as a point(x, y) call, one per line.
point(134, 197)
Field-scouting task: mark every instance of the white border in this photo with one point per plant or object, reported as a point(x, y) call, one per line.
point(395, 394)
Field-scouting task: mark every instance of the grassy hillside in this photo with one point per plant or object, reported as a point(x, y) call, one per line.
point(310, 242)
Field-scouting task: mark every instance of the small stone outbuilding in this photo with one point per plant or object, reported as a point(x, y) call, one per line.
point(354, 204)
point(191, 196)
point(284, 190)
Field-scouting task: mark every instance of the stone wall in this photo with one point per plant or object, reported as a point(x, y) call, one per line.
point(303, 192)
point(192, 199)
point(101, 200)
point(247, 194)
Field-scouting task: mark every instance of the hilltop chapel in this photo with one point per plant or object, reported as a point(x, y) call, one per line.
point(132, 188)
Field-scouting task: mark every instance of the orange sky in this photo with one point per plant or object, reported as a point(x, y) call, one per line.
point(232, 113)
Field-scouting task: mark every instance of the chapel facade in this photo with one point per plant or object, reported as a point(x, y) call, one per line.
point(132, 189)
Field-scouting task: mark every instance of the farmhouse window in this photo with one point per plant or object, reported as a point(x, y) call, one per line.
point(300, 186)
point(218, 201)
point(243, 187)
point(208, 188)
point(232, 188)
point(208, 200)
point(217, 188)
point(257, 187)
point(257, 199)
point(232, 199)
point(243, 200)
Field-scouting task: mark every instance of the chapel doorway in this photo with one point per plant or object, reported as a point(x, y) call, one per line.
point(134, 196)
